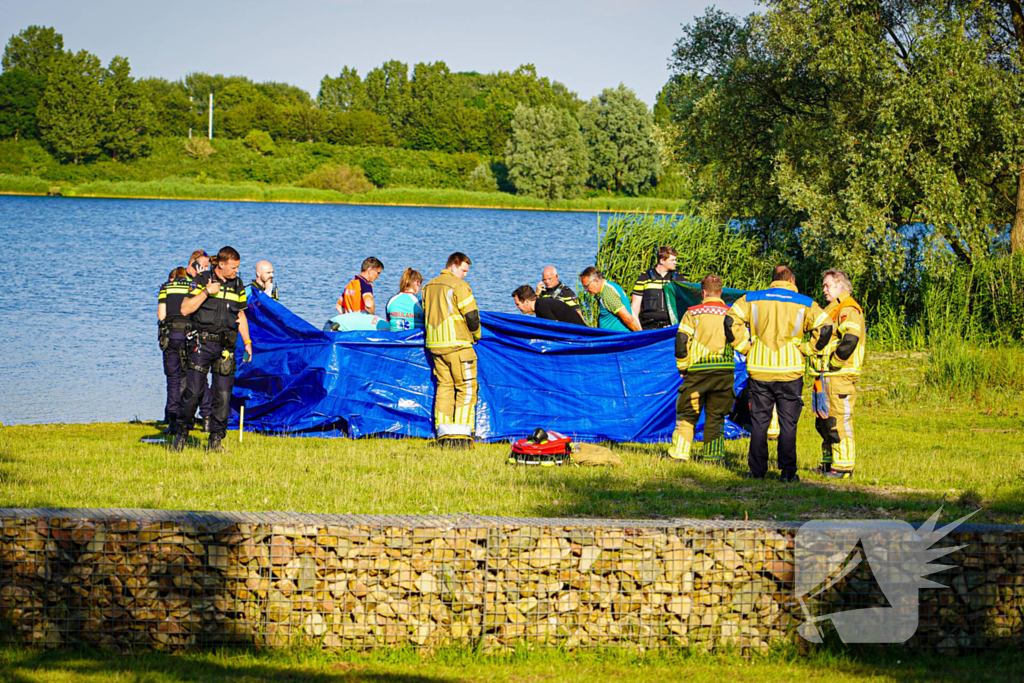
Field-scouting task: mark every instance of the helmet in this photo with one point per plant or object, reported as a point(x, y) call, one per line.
point(538, 436)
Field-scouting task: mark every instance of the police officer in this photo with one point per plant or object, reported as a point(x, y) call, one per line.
point(839, 366)
point(705, 360)
point(173, 328)
point(453, 326)
point(199, 262)
point(648, 301)
point(217, 304)
point(768, 327)
point(551, 287)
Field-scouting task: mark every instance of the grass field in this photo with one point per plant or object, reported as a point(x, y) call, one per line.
point(915, 452)
point(919, 446)
point(878, 666)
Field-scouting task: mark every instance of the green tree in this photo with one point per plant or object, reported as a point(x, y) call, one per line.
point(172, 114)
point(259, 141)
point(343, 93)
point(619, 131)
point(126, 121)
point(546, 155)
point(20, 92)
point(386, 92)
point(838, 130)
point(73, 107)
point(33, 49)
point(361, 127)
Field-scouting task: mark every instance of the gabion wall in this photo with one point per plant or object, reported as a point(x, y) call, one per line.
point(137, 579)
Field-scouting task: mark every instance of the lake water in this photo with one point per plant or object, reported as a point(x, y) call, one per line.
point(81, 277)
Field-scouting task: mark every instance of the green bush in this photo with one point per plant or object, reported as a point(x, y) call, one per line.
point(482, 179)
point(259, 141)
point(340, 178)
point(377, 171)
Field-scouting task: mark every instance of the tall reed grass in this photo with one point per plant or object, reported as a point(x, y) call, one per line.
point(190, 188)
point(23, 184)
point(961, 368)
point(628, 245)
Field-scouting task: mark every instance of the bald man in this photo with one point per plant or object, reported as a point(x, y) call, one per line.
point(265, 279)
point(551, 287)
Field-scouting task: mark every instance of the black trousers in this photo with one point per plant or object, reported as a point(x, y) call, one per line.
point(785, 398)
point(175, 373)
point(195, 386)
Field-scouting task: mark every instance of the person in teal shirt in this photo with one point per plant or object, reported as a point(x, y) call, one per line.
point(404, 309)
point(615, 313)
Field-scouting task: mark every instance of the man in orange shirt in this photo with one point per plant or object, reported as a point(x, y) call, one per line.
point(358, 294)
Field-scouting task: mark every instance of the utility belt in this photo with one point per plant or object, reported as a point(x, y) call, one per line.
point(166, 328)
point(226, 364)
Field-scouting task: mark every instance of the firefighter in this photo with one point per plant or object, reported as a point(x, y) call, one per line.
point(706, 363)
point(217, 305)
point(768, 327)
point(453, 326)
point(648, 302)
point(839, 366)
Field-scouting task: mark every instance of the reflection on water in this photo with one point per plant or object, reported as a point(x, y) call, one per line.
point(78, 308)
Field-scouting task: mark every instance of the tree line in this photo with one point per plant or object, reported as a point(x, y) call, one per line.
point(543, 139)
point(882, 136)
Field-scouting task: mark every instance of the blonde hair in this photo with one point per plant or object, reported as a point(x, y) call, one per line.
point(409, 276)
point(177, 272)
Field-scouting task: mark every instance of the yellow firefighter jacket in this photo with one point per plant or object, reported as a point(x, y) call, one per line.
point(769, 327)
point(447, 301)
point(700, 341)
point(844, 354)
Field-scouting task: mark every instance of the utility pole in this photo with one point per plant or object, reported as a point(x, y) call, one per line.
point(211, 116)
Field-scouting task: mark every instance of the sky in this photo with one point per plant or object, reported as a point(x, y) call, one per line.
point(587, 45)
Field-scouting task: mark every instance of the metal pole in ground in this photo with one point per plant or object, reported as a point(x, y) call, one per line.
point(241, 421)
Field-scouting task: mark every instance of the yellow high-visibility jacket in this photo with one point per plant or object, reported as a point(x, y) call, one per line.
point(700, 341)
point(447, 301)
point(768, 327)
point(844, 354)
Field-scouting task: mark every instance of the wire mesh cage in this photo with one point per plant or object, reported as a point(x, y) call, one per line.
point(136, 580)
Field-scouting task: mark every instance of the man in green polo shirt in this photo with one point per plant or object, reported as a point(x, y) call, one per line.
point(614, 309)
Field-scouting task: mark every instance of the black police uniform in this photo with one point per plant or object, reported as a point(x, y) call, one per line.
point(653, 304)
point(561, 293)
point(555, 309)
point(173, 330)
point(215, 324)
point(206, 402)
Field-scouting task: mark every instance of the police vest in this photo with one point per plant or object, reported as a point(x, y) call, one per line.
point(171, 295)
point(651, 287)
point(218, 313)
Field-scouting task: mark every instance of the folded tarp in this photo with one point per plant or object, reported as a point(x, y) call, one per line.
point(592, 384)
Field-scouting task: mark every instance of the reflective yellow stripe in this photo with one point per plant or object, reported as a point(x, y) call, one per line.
point(466, 302)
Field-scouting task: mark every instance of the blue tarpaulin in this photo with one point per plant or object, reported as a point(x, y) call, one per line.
point(592, 384)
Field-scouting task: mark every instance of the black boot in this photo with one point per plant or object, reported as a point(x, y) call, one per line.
point(206, 424)
point(180, 439)
point(172, 428)
point(214, 443)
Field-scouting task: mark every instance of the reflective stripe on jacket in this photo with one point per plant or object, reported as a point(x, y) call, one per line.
point(769, 326)
point(848, 318)
point(446, 302)
point(706, 348)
